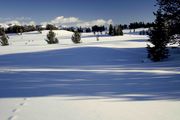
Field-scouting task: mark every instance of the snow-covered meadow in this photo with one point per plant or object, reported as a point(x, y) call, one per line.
point(109, 79)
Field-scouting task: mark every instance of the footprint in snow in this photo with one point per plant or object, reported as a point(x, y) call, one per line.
point(23, 104)
point(18, 109)
point(15, 110)
point(12, 117)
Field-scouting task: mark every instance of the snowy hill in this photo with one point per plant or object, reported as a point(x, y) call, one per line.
point(109, 79)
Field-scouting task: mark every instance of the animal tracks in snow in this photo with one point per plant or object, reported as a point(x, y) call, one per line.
point(18, 109)
point(14, 117)
point(15, 110)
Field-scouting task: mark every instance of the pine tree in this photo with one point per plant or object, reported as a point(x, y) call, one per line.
point(119, 30)
point(171, 12)
point(114, 31)
point(167, 25)
point(159, 38)
point(4, 40)
point(76, 38)
point(51, 38)
point(110, 29)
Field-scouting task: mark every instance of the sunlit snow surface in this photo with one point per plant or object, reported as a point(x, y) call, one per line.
point(109, 79)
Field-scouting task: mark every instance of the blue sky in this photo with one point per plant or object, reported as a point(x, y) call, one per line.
point(120, 11)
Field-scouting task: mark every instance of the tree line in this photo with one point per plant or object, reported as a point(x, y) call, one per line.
point(28, 28)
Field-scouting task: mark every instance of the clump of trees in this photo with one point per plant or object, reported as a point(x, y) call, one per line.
point(51, 27)
point(115, 30)
point(167, 24)
point(4, 39)
point(20, 29)
point(97, 28)
point(51, 38)
point(87, 30)
point(93, 29)
point(15, 29)
point(76, 37)
point(28, 28)
point(136, 25)
point(80, 30)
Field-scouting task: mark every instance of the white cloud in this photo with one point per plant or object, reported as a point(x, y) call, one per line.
point(62, 20)
point(74, 21)
point(95, 22)
point(59, 21)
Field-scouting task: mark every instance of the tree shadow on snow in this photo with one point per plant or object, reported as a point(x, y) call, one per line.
point(90, 71)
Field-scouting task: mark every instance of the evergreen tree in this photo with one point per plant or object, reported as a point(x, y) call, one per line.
point(94, 29)
point(159, 38)
point(110, 29)
point(76, 38)
point(51, 38)
point(167, 25)
point(4, 40)
point(119, 30)
point(114, 31)
point(171, 12)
